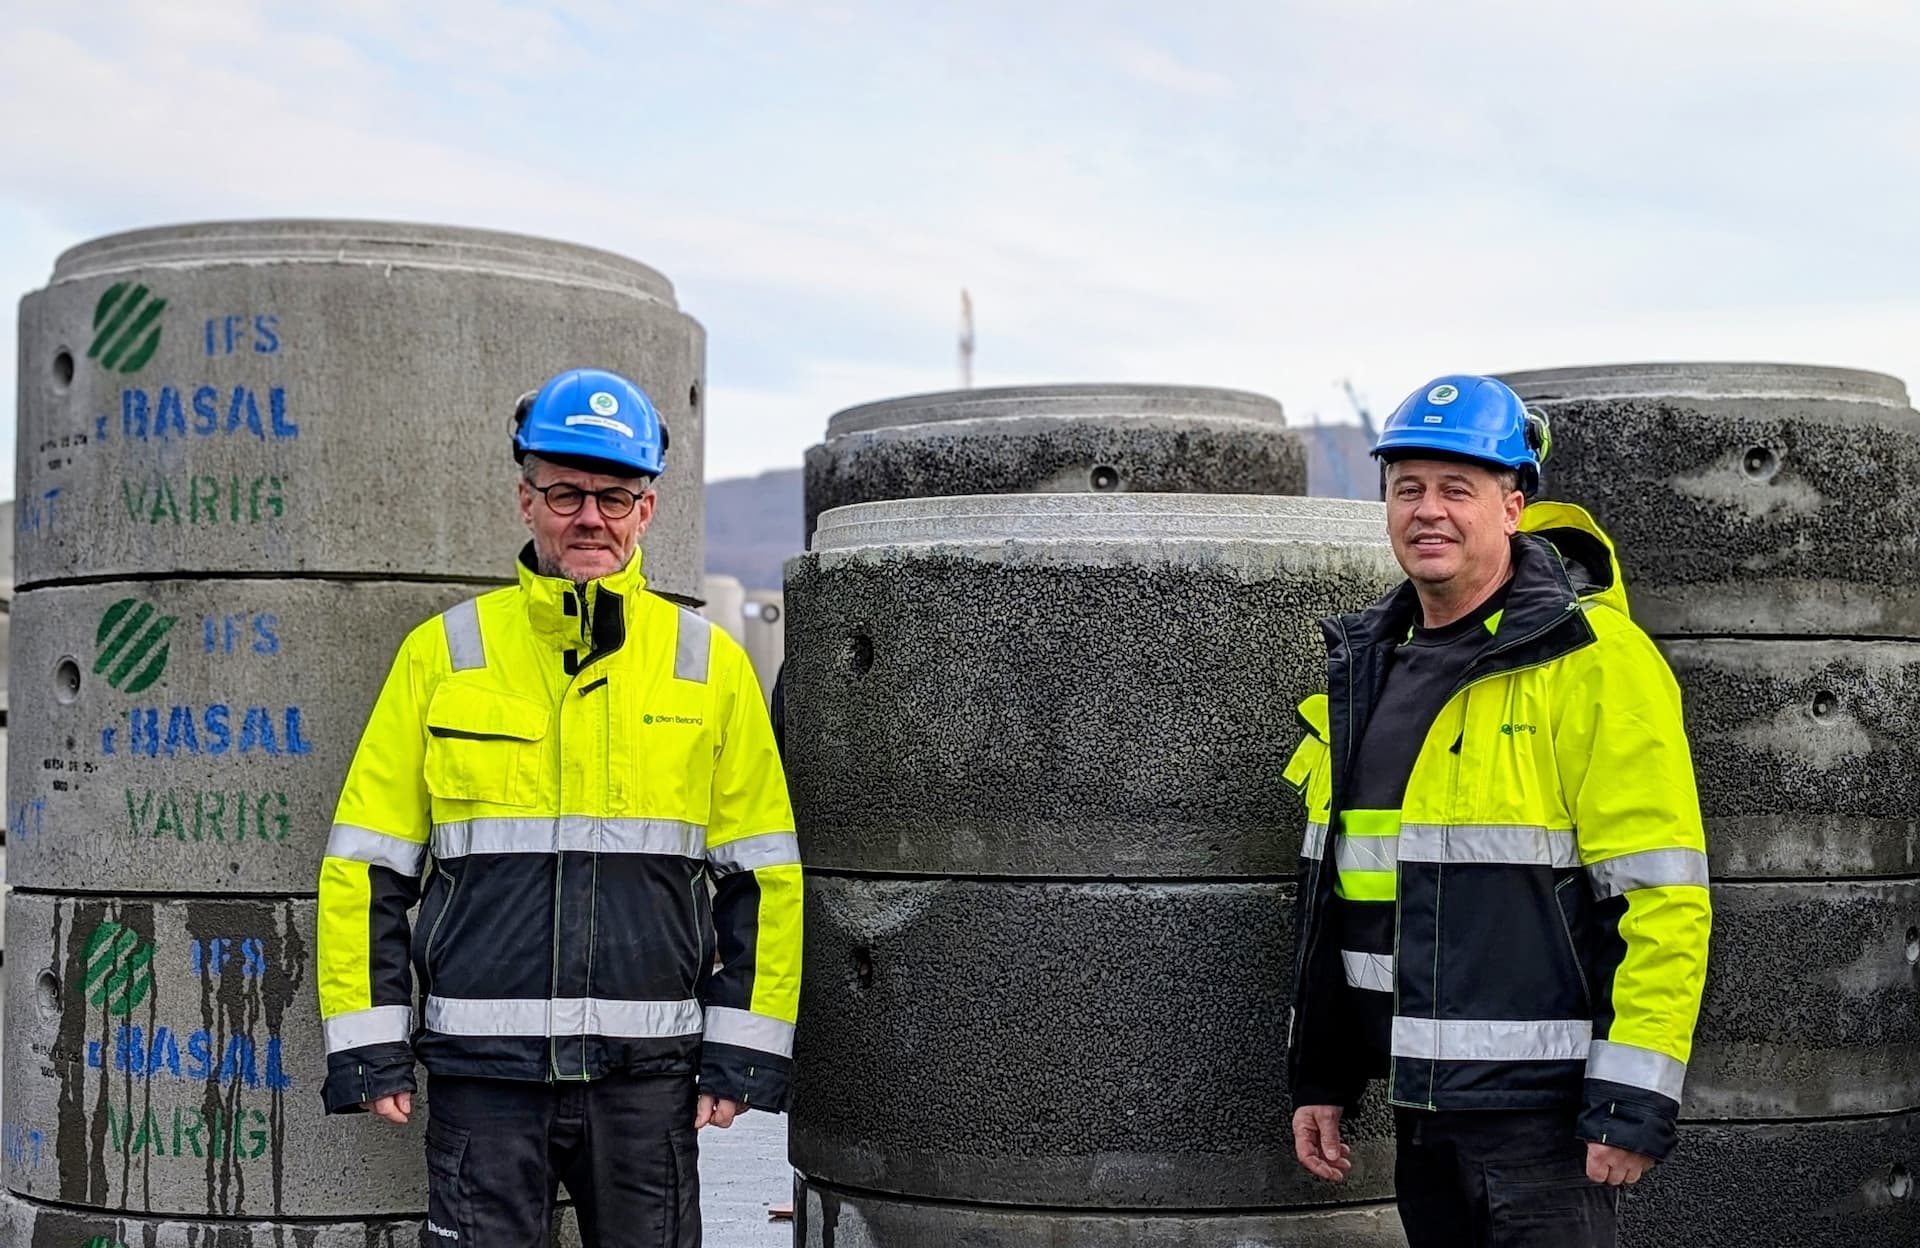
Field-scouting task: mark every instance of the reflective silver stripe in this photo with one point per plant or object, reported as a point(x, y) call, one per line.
point(750, 853)
point(1651, 868)
point(1372, 971)
point(383, 1024)
point(395, 853)
point(569, 833)
point(563, 1016)
point(749, 1030)
point(462, 623)
point(1366, 853)
point(1314, 845)
point(690, 652)
point(1492, 1040)
point(1514, 844)
point(1637, 1068)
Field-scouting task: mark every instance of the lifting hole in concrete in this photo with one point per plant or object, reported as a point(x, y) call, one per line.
point(66, 682)
point(1913, 946)
point(863, 967)
point(1104, 478)
point(1760, 463)
point(62, 370)
point(769, 614)
point(1900, 1181)
point(693, 396)
point(1825, 705)
point(46, 995)
point(857, 654)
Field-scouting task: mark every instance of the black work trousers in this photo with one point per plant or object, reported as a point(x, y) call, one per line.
point(498, 1151)
point(1499, 1179)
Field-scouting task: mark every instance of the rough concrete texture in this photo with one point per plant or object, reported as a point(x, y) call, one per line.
point(325, 397)
point(1070, 1045)
point(1739, 495)
point(165, 1056)
point(1072, 439)
point(191, 736)
point(1848, 1183)
point(1096, 700)
point(1812, 1004)
point(1805, 754)
point(28, 1224)
point(828, 1217)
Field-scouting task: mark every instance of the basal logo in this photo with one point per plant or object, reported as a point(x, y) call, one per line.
point(132, 638)
point(126, 328)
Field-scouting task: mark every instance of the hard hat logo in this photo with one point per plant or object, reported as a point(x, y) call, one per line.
point(1462, 416)
point(590, 414)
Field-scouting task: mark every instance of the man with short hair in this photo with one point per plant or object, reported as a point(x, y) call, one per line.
point(1503, 903)
point(609, 945)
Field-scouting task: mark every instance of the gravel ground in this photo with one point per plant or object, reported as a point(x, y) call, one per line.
point(743, 1171)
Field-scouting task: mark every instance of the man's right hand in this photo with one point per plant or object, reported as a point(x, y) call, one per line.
point(1316, 1142)
point(397, 1107)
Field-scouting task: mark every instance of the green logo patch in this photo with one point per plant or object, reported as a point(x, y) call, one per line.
point(119, 968)
point(132, 639)
point(126, 328)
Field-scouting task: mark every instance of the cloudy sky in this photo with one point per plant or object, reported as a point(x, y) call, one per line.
point(1266, 195)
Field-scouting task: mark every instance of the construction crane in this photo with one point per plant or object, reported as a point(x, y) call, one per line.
point(966, 339)
point(1336, 460)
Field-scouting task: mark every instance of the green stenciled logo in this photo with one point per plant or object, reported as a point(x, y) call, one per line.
point(119, 970)
point(126, 327)
point(102, 1241)
point(132, 638)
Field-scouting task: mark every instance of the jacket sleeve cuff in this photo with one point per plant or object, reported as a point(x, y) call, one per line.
point(1313, 1093)
point(357, 1076)
point(754, 1079)
point(1629, 1118)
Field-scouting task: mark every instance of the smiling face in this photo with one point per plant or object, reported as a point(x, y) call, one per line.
point(1450, 524)
point(588, 543)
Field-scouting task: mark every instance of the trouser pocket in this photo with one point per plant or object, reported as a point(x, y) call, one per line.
point(449, 1205)
point(1550, 1204)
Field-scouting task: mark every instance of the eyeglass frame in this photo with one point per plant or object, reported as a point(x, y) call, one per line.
point(599, 502)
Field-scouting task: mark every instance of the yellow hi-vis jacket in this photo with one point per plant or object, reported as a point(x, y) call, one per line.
point(1547, 874)
point(576, 767)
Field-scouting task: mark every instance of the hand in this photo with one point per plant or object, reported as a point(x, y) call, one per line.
point(395, 1108)
point(1316, 1142)
point(714, 1112)
point(1614, 1166)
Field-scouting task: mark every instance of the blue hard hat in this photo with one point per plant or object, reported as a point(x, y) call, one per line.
point(591, 414)
point(1467, 417)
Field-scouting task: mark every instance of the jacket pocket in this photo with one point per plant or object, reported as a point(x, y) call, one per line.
point(484, 745)
point(1570, 896)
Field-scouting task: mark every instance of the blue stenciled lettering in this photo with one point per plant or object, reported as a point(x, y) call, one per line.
point(161, 415)
point(238, 1064)
point(262, 731)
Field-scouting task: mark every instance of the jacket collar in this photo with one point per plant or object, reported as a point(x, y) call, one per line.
point(589, 622)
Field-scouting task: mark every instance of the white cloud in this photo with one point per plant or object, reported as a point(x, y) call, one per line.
point(1156, 67)
point(1378, 190)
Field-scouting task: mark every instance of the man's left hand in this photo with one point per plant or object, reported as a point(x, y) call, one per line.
point(714, 1112)
point(1607, 1164)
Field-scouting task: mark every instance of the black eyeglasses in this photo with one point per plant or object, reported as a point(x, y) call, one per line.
point(615, 502)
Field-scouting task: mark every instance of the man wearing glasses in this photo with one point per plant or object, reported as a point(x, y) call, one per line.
point(608, 949)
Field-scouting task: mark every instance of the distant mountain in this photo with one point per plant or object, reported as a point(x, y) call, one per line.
point(754, 523)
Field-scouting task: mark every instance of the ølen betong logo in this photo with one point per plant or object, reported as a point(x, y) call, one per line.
point(132, 638)
point(119, 968)
point(126, 327)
